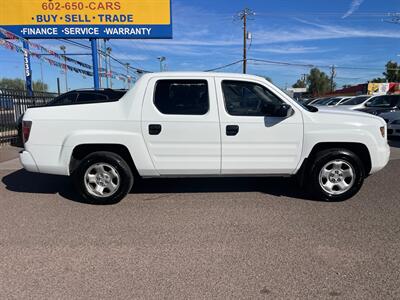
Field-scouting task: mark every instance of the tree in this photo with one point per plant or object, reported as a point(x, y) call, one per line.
point(39, 86)
point(19, 84)
point(392, 73)
point(378, 80)
point(318, 82)
point(299, 84)
point(14, 84)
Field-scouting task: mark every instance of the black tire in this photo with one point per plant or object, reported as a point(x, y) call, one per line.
point(108, 159)
point(320, 160)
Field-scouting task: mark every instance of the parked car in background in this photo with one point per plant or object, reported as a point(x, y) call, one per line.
point(319, 101)
point(309, 101)
point(80, 96)
point(83, 96)
point(355, 102)
point(393, 122)
point(381, 104)
point(333, 101)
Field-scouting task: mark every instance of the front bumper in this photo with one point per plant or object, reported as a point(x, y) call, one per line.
point(27, 161)
point(380, 159)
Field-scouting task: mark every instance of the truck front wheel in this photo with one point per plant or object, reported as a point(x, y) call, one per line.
point(336, 175)
point(103, 178)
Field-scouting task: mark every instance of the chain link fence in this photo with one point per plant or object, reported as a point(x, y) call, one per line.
point(13, 104)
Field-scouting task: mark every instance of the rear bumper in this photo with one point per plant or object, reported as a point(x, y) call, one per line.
point(27, 161)
point(380, 159)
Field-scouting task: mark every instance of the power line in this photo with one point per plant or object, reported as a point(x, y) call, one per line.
point(317, 66)
point(322, 13)
point(224, 66)
point(294, 64)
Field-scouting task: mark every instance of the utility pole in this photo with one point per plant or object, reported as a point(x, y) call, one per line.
point(243, 15)
point(333, 75)
point(63, 49)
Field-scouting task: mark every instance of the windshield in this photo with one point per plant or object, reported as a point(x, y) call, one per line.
point(323, 101)
point(355, 101)
point(381, 101)
point(334, 101)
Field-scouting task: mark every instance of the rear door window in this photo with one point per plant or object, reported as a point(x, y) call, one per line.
point(182, 97)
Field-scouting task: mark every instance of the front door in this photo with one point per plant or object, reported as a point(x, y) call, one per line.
point(181, 126)
point(255, 140)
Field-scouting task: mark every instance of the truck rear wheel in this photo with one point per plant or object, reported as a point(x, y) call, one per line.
point(103, 178)
point(336, 175)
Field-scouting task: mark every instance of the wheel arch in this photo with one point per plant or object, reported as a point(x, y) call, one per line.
point(360, 149)
point(81, 151)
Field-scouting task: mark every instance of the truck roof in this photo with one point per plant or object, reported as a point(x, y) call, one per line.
point(196, 73)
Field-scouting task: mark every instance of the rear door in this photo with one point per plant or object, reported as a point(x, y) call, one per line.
point(181, 126)
point(254, 140)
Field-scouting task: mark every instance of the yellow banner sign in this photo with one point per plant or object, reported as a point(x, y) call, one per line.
point(103, 12)
point(87, 18)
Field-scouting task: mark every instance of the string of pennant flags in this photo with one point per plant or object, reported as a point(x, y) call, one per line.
point(12, 36)
point(13, 47)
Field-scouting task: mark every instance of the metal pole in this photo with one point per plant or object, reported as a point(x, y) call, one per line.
point(95, 64)
point(41, 70)
point(244, 43)
point(106, 63)
point(128, 80)
point(109, 66)
point(161, 59)
point(63, 48)
point(58, 86)
point(100, 60)
point(27, 68)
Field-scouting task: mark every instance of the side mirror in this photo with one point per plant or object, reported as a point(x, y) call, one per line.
point(284, 111)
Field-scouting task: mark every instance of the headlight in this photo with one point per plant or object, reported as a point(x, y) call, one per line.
point(395, 122)
point(382, 131)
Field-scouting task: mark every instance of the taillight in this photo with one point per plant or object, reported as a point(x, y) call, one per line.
point(26, 130)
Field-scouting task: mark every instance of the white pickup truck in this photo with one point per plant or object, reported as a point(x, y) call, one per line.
point(203, 124)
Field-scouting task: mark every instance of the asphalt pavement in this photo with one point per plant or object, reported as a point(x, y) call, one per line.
point(246, 238)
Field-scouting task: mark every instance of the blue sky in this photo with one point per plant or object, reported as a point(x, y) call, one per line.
point(206, 35)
